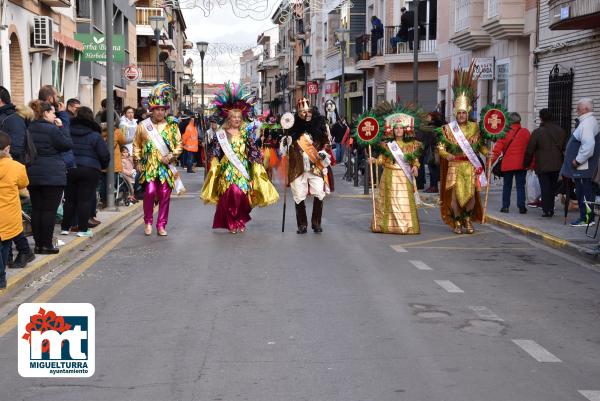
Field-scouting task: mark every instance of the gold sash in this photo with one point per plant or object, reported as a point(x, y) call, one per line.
point(311, 152)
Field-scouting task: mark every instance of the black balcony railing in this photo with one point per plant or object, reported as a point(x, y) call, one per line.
point(395, 40)
point(149, 72)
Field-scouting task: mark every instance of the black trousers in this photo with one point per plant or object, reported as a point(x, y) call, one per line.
point(79, 193)
point(44, 204)
point(548, 184)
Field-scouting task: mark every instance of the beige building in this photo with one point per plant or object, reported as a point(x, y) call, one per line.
point(268, 67)
point(501, 35)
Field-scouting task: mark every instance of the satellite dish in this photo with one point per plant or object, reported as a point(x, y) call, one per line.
point(287, 120)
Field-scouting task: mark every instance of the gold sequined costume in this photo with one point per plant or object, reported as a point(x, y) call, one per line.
point(395, 208)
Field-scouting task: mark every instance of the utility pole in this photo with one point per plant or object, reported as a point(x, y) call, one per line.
point(416, 41)
point(110, 106)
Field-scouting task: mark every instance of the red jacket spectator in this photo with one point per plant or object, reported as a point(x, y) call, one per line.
point(514, 152)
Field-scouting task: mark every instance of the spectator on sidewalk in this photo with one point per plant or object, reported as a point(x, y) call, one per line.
point(546, 149)
point(189, 141)
point(119, 140)
point(49, 93)
point(128, 124)
point(47, 174)
point(432, 156)
point(581, 158)
point(129, 174)
point(513, 147)
point(13, 178)
point(91, 155)
point(13, 125)
point(72, 106)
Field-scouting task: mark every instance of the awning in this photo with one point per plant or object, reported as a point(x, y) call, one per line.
point(67, 41)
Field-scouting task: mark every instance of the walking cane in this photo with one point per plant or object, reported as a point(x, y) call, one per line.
point(487, 189)
point(287, 122)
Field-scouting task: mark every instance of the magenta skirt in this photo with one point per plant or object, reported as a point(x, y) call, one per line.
point(233, 209)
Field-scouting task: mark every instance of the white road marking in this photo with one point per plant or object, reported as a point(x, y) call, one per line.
point(420, 265)
point(536, 351)
point(590, 394)
point(485, 313)
point(398, 248)
point(449, 286)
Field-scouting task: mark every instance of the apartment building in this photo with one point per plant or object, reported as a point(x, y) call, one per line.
point(249, 70)
point(169, 50)
point(567, 57)
point(388, 63)
point(268, 67)
point(498, 34)
point(38, 47)
point(90, 17)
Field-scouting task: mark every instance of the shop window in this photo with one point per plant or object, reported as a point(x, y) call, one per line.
point(502, 74)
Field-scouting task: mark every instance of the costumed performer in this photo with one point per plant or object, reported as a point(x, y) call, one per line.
point(308, 165)
point(396, 208)
point(462, 172)
point(236, 181)
point(156, 146)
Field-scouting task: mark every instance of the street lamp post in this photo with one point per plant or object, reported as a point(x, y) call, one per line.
point(270, 94)
point(342, 44)
point(171, 66)
point(156, 22)
point(306, 60)
point(416, 40)
point(202, 48)
point(110, 121)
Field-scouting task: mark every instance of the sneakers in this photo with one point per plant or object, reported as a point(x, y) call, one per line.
point(535, 204)
point(504, 210)
point(64, 232)
point(86, 234)
point(581, 223)
point(523, 210)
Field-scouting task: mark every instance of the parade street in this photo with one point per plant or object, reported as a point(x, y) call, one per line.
point(346, 315)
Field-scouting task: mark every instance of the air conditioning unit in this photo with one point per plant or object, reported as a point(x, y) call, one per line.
point(42, 32)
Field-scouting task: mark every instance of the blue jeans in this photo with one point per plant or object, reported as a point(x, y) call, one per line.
point(188, 159)
point(583, 190)
point(339, 153)
point(4, 248)
point(519, 176)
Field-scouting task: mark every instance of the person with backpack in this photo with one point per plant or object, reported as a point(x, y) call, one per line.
point(512, 148)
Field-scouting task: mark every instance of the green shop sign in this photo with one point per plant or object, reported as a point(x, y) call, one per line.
point(94, 47)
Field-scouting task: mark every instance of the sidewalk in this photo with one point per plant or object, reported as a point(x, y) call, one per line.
point(111, 221)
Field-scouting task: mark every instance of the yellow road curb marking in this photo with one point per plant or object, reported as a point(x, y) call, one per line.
point(68, 278)
point(17, 279)
point(449, 237)
point(528, 230)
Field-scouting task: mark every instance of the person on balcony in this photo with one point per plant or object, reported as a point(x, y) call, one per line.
point(376, 34)
point(402, 34)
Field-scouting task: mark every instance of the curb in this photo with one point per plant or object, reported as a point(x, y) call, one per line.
point(39, 267)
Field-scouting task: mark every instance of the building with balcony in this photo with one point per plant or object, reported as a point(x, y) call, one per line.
point(268, 68)
point(249, 71)
point(285, 53)
point(37, 48)
point(161, 60)
point(90, 17)
point(500, 34)
point(567, 56)
point(387, 60)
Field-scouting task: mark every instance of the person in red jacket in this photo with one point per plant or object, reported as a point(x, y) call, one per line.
point(513, 146)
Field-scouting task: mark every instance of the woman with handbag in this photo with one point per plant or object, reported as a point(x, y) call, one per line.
point(509, 153)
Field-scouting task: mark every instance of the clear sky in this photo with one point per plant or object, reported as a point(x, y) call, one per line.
point(233, 33)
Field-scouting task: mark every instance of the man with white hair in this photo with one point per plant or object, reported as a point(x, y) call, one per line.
point(581, 158)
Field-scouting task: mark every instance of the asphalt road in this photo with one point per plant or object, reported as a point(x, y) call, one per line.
point(346, 315)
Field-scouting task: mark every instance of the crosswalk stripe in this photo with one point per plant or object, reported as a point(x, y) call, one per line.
point(420, 265)
point(449, 286)
point(398, 248)
point(485, 313)
point(536, 351)
point(591, 395)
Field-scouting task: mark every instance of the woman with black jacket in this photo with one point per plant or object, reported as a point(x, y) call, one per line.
point(91, 156)
point(47, 174)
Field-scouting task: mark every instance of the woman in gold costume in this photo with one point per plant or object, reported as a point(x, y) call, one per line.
point(461, 175)
point(396, 209)
point(236, 181)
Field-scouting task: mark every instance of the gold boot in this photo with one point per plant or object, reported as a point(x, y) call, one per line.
point(469, 226)
point(457, 227)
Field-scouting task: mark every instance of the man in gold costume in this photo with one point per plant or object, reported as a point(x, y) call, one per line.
point(462, 173)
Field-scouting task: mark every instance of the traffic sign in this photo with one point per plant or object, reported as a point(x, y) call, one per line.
point(313, 88)
point(132, 73)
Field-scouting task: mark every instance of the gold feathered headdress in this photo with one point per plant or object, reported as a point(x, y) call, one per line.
point(464, 88)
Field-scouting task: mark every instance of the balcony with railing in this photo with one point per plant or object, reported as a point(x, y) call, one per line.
point(504, 18)
point(142, 19)
point(468, 32)
point(396, 46)
point(57, 3)
point(149, 72)
point(574, 14)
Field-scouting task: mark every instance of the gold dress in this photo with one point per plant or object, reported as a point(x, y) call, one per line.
point(459, 174)
point(395, 207)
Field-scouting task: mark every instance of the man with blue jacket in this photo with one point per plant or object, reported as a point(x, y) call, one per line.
point(581, 158)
